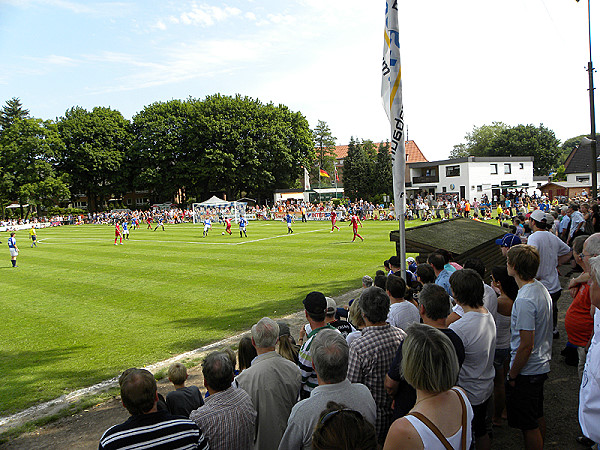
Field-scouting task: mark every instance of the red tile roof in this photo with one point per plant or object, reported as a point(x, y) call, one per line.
point(412, 150)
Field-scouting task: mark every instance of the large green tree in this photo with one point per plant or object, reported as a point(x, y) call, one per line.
point(500, 139)
point(29, 149)
point(382, 173)
point(359, 170)
point(12, 111)
point(95, 145)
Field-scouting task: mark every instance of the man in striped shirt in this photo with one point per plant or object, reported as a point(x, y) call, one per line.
point(315, 305)
point(147, 427)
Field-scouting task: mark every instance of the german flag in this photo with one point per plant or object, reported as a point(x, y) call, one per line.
point(323, 173)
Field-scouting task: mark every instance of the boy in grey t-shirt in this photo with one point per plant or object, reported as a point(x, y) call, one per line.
point(531, 347)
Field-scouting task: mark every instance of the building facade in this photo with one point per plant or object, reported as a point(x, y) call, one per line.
point(470, 177)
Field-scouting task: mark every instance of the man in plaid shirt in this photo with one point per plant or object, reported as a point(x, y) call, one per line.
point(371, 354)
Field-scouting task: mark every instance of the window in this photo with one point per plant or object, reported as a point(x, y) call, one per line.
point(494, 169)
point(507, 168)
point(129, 201)
point(582, 179)
point(521, 166)
point(443, 188)
point(479, 188)
point(453, 171)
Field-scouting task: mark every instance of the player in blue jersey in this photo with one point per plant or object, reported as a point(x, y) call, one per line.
point(14, 250)
point(125, 230)
point(160, 223)
point(207, 226)
point(289, 219)
point(243, 223)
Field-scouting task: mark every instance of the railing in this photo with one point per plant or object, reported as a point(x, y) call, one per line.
point(426, 179)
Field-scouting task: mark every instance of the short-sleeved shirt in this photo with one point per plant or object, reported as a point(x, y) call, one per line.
point(532, 311)
point(443, 280)
point(309, 376)
point(403, 314)
point(477, 331)
point(182, 401)
point(550, 247)
point(578, 322)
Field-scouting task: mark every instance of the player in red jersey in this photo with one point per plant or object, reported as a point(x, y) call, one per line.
point(355, 221)
point(149, 222)
point(333, 220)
point(118, 234)
point(228, 225)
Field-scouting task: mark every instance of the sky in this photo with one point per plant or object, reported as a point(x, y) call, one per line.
point(464, 64)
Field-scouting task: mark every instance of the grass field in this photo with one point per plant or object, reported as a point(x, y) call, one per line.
point(79, 310)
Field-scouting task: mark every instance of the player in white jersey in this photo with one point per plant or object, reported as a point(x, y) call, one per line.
point(14, 250)
point(207, 226)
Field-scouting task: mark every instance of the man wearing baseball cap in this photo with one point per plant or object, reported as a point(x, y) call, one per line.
point(553, 252)
point(315, 307)
point(507, 241)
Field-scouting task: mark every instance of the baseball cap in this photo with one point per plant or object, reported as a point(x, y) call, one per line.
point(538, 215)
point(331, 305)
point(508, 240)
point(315, 303)
point(410, 259)
point(549, 218)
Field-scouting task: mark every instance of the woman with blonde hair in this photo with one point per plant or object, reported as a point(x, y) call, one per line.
point(442, 415)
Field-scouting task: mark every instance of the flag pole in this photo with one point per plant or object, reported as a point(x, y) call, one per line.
point(391, 92)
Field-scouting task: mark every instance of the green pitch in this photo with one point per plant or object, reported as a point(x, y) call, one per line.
point(79, 310)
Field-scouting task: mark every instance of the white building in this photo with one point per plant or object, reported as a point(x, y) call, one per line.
point(471, 177)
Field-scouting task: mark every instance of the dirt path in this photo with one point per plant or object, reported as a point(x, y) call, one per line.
point(83, 430)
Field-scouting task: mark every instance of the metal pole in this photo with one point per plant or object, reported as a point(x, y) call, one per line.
point(594, 156)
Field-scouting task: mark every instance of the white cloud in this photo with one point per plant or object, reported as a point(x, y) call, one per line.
point(160, 25)
point(206, 15)
point(55, 60)
point(250, 16)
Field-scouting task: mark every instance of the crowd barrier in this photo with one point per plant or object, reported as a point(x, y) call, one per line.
point(26, 226)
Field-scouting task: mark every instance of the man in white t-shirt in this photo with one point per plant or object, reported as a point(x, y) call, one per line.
point(589, 393)
point(402, 312)
point(530, 347)
point(553, 252)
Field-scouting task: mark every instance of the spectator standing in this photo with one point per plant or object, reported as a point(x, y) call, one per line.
point(589, 393)
point(372, 353)
point(315, 306)
point(552, 252)
point(442, 276)
point(330, 357)
point(402, 312)
point(147, 424)
point(343, 428)
point(228, 416)
point(184, 399)
point(530, 346)
point(343, 326)
point(272, 382)
point(442, 415)
point(477, 330)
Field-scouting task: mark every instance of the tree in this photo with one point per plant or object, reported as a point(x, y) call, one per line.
point(499, 139)
point(529, 140)
point(382, 173)
point(358, 170)
point(28, 153)
point(95, 145)
point(325, 149)
point(11, 112)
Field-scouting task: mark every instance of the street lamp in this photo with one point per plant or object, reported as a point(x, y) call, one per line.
point(590, 70)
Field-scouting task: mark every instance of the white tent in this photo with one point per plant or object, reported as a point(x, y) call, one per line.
point(214, 201)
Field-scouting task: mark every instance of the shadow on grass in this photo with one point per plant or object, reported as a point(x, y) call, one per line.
point(30, 377)
point(238, 320)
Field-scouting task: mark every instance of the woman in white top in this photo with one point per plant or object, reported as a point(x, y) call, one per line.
point(507, 286)
point(442, 412)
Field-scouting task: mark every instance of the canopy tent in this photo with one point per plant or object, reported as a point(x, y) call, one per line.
point(214, 201)
point(232, 209)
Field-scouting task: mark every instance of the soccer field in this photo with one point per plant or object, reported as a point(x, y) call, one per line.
point(79, 310)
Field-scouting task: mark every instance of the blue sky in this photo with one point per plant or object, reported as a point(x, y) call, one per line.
point(464, 63)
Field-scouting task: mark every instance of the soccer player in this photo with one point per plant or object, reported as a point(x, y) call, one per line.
point(33, 236)
point(149, 222)
point(333, 220)
point(160, 224)
point(207, 226)
point(228, 225)
point(14, 250)
point(243, 223)
point(289, 219)
point(118, 233)
point(355, 221)
point(125, 230)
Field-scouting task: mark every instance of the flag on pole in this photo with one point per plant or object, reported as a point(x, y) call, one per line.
point(323, 173)
point(306, 180)
point(391, 94)
point(337, 178)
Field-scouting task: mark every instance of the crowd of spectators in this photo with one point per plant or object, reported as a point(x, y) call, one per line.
point(432, 357)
